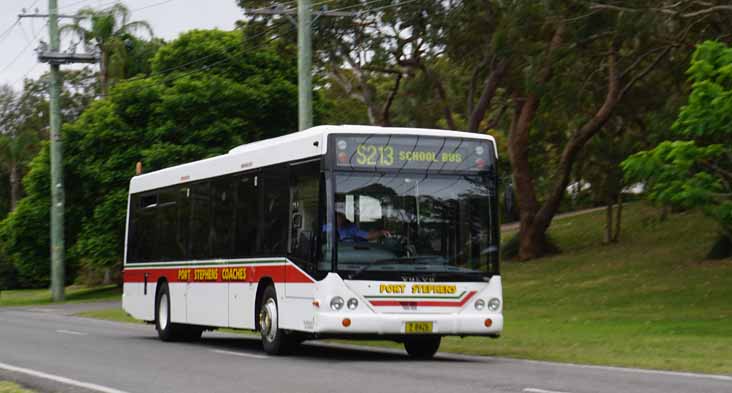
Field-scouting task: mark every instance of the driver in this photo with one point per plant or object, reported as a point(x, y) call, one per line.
point(348, 230)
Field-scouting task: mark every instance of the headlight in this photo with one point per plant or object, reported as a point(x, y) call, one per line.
point(494, 304)
point(352, 303)
point(479, 304)
point(336, 303)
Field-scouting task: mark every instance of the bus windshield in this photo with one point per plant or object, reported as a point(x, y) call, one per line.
point(416, 226)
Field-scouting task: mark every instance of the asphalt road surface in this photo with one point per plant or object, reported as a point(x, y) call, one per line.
point(53, 351)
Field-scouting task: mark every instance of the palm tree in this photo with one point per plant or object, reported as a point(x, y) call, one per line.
point(107, 30)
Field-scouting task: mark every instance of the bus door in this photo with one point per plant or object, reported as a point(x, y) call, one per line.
point(304, 228)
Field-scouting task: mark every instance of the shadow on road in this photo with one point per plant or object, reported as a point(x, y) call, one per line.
point(313, 350)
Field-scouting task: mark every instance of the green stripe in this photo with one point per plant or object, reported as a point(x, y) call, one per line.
point(415, 297)
point(208, 263)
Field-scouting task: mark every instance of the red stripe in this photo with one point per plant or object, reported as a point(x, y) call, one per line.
point(422, 303)
point(278, 273)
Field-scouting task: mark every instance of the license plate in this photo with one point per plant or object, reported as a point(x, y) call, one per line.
point(418, 327)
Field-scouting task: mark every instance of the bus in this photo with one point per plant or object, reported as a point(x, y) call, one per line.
point(335, 231)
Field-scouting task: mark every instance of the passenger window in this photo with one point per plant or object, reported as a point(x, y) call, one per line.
point(200, 221)
point(167, 211)
point(247, 209)
point(304, 215)
point(144, 228)
point(222, 199)
point(274, 221)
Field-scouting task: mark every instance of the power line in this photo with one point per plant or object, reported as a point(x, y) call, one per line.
point(6, 32)
point(25, 35)
point(171, 77)
point(200, 59)
point(22, 51)
point(152, 5)
point(241, 51)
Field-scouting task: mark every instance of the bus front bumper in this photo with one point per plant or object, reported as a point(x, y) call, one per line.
point(343, 323)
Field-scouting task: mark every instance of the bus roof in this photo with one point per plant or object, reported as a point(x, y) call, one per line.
point(291, 147)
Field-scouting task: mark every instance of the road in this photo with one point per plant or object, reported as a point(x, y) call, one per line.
point(51, 350)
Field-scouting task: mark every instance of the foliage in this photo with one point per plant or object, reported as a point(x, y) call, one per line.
point(696, 169)
point(24, 235)
point(167, 119)
point(111, 32)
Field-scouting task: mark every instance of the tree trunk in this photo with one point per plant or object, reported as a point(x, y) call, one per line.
point(104, 73)
point(532, 239)
point(14, 185)
point(608, 222)
point(618, 215)
point(489, 91)
point(544, 214)
point(107, 276)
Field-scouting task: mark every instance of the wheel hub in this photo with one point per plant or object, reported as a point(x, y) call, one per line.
point(163, 312)
point(268, 320)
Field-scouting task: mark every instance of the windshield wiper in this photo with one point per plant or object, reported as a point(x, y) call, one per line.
point(390, 261)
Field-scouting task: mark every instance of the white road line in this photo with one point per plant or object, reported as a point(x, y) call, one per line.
point(60, 379)
point(242, 354)
point(717, 377)
point(535, 390)
point(73, 333)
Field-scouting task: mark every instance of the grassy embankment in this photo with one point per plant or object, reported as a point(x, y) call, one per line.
point(74, 294)
point(10, 387)
point(649, 301)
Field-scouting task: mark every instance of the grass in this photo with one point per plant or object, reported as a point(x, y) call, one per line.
point(74, 294)
point(650, 301)
point(110, 314)
point(10, 387)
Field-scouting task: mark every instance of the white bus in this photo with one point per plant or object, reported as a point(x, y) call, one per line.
point(335, 231)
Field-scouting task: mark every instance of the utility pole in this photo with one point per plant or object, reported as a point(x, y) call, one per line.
point(304, 65)
point(304, 25)
point(51, 54)
point(58, 271)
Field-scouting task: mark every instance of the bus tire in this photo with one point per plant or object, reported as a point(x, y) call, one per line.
point(422, 347)
point(275, 341)
point(168, 331)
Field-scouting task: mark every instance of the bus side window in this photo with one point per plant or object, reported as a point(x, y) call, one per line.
point(274, 219)
point(144, 227)
point(247, 213)
point(184, 222)
point(304, 206)
point(222, 217)
point(168, 226)
point(200, 229)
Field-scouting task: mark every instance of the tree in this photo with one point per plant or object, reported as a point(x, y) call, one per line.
point(190, 112)
point(111, 32)
point(695, 171)
point(19, 137)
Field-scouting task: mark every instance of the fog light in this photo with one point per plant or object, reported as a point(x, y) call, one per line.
point(479, 304)
point(494, 304)
point(352, 303)
point(488, 322)
point(346, 322)
point(336, 303)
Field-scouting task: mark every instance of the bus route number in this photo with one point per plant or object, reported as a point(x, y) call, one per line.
point(374, 155)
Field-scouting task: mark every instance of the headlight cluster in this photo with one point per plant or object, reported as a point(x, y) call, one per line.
point(337, 303)
point(494, 304)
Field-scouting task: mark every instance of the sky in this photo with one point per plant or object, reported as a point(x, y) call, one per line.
point(168, 18)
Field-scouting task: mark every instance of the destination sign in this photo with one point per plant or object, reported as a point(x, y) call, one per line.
point(412, 152)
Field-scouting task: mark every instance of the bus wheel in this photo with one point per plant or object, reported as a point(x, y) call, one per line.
point(422, 347)
point(274, 340)
point(168, 331)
